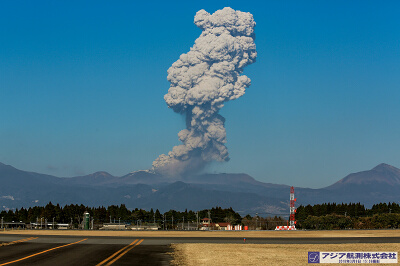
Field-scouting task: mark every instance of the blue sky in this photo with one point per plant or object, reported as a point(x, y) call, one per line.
point(82, 86)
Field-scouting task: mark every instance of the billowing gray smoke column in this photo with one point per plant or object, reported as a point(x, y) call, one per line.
point(202, 80)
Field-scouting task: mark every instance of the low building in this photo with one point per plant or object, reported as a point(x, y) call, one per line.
point(147, 227)
point(48, 226)
point(206, 221)
point(62, 226)
point(206, 224)
point(13, 225)
point(222, 226)
point(113, 226)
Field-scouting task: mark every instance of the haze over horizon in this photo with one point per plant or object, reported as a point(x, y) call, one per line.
point(82, 86)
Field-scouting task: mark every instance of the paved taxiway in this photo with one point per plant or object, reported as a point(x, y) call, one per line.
point(109, 250)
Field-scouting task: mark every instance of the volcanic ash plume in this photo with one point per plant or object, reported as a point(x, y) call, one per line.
point(202, 80)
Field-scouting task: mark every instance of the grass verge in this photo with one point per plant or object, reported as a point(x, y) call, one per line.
point(262, 254)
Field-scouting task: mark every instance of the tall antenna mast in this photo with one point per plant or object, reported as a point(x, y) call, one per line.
point(292, 208)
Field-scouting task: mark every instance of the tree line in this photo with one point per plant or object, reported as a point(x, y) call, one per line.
point(73, 214)
point(320, 216)
point(348, 216)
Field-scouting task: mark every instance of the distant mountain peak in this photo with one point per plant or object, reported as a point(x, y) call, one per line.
point(385, 167)
point(6, 165)
point(380, 174)
point(102, 173)
point(9, 168)
point(91, 179)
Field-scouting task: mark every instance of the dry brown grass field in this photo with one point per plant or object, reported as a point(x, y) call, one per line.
point(262, 254)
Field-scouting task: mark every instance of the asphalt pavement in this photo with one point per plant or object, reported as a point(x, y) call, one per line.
point(99, 250)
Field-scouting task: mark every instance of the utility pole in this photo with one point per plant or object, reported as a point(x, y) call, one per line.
point(209, 219)
point(119, 223)
point(1, 222)
point(256, 219)
point(197, 220)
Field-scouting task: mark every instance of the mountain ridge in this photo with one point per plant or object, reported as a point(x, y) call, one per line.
point(143, 189)
point(382, 173)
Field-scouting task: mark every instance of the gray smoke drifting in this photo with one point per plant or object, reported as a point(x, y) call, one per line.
point(202, 80)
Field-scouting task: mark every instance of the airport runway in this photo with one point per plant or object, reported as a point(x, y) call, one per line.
point(100, 250)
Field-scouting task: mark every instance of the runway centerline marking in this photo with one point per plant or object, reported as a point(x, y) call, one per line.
point(123, 253)
point(116, 253)
point(124, 250)
point(47, 250)
point(18, 241)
